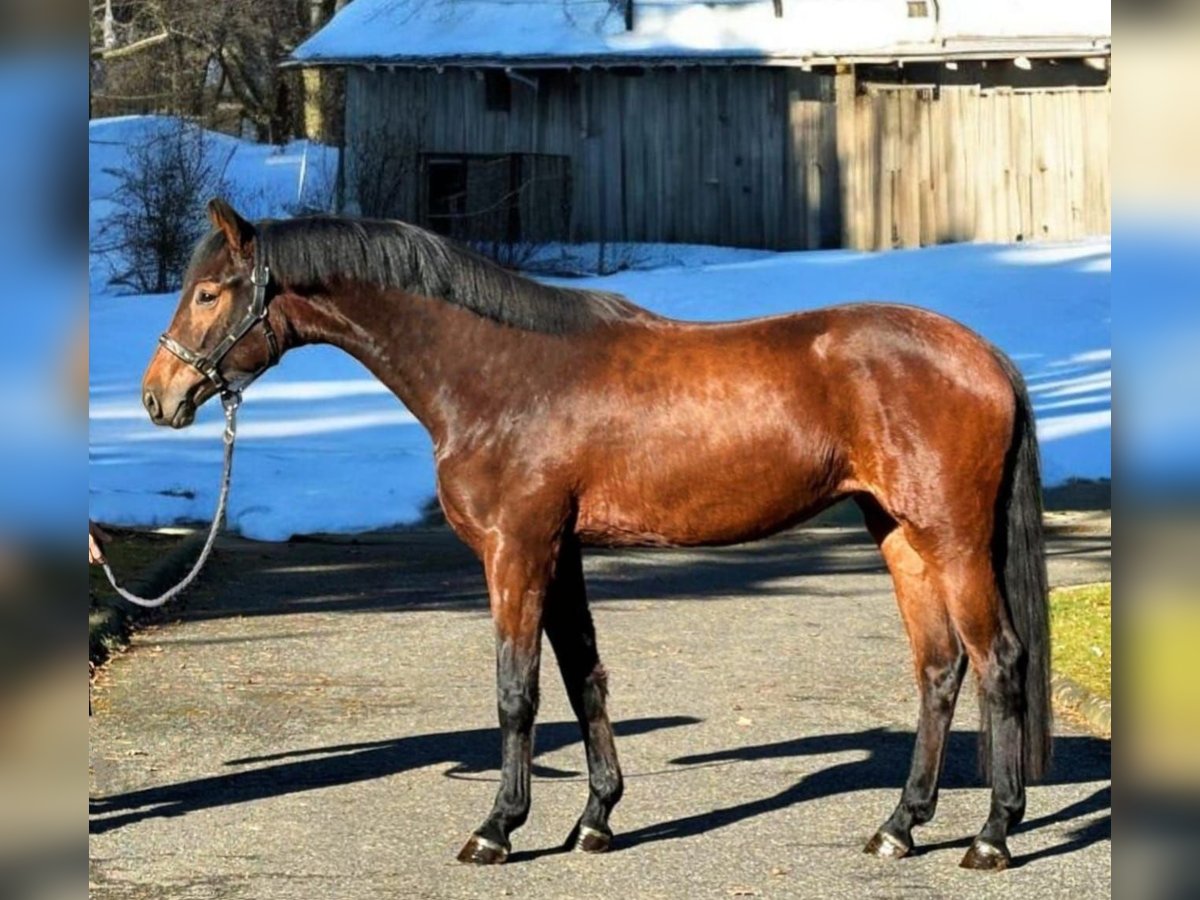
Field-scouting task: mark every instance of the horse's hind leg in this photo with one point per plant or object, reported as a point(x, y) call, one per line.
point(568, 624)
point(962, 586)
point(982, 622)
point(939, 663)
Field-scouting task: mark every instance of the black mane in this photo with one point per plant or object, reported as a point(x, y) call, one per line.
point(311, 252)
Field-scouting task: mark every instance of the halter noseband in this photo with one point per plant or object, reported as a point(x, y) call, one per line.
point(207, 364)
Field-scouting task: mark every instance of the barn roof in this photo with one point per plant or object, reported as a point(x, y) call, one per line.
point(593, 32)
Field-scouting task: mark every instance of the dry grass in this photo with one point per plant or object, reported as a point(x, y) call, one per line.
point(131, 553)
point(1081, 628)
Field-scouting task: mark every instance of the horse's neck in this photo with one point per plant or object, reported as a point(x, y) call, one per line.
point(439, 359)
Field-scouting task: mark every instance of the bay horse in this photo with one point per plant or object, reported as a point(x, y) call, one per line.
point(563, 418)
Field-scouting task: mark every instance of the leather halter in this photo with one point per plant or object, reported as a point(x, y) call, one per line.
point(208, 364)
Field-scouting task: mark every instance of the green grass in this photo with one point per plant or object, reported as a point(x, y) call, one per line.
point(1081, 629)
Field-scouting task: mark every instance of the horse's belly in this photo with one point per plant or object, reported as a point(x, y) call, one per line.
point(701, 499)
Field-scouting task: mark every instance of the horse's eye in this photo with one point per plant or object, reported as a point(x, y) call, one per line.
point(206, 298)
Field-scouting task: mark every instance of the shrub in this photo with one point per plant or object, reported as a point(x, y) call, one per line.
point(159, 203)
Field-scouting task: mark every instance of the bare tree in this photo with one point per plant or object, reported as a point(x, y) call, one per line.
point(381, 172)
point(159, 198)
point(217, 62)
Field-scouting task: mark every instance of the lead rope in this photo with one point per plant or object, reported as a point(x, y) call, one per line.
point(230, 400)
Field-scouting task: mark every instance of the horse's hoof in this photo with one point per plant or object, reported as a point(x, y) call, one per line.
point(986, 857)
point(482, 852)
point(591, 840)
point(886, 846)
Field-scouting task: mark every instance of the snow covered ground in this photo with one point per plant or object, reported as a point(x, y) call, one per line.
point(324, 447)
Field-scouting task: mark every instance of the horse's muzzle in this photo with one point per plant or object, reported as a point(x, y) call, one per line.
point(182, 416)
point(185, 414)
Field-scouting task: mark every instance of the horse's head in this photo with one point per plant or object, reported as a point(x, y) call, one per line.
point(220, 337)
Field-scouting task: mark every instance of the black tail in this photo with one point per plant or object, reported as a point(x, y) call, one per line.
point(1020, 560)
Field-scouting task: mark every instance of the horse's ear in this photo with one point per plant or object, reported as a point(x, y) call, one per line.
point(238, 232)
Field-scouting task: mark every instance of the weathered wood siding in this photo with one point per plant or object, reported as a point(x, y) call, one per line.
point(924, 166)
point(758, 156)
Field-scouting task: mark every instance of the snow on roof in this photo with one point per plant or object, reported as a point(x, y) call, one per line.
point(548, 31)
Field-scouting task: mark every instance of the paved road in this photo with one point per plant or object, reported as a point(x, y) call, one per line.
point(321, 725)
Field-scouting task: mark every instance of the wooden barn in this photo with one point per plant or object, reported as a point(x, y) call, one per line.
point(760, 123)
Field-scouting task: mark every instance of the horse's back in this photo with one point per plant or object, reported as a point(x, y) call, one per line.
point(704, 434)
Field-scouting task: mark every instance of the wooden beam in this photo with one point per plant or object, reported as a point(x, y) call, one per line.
point(130, 49)
point(845, 94)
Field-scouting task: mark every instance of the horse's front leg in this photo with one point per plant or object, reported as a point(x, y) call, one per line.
point(518, 573)
point(573, 637)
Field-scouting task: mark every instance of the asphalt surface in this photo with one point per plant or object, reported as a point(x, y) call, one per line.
point(319, 723)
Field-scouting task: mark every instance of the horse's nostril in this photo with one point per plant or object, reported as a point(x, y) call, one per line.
point(152, 406)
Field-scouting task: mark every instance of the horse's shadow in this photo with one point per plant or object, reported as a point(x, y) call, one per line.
point(884, 764)
point(472, 751)
point(1078, 760)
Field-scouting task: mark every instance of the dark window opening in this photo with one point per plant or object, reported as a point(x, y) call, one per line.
point(506, 197)
point(497, 90)
point(446, 192)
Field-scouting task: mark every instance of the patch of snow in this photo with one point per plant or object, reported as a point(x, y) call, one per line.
point(1059, 427)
